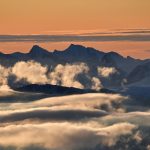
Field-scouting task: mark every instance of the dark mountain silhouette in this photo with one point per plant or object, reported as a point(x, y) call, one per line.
point(126, 66)
point(74, 53)
point(139, 73)
point(108, 60)
point(80, 53)
point(37, 51)
point(56, 90)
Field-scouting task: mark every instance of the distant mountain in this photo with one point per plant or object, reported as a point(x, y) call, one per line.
point(140, 73)
point(37, 51)
point(74, 53)
point(127, 67)
point(140, 95)
point(109, 59)
point(56, 90)
point(78, 53)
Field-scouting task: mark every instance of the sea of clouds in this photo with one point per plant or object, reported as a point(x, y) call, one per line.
point(77, 122)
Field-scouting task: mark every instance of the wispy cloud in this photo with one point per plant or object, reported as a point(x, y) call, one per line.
point(83, 36)
point(147, 50)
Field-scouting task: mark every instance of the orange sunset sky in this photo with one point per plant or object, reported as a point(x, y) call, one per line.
point(117, 19)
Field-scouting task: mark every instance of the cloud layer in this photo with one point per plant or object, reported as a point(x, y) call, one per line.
point(64, 136)
point(94, 36)
point(77, 122)
point(32, 72)
point(63, 123)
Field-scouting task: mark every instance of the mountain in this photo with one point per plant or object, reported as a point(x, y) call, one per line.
point(140, 95)
point(109, 59)
point(73, 54)
point(56, 90)
point(78, 53)
point(127, 67)
point(140, 73)
point(126, 64)
point(37, 51)
point(93, 57)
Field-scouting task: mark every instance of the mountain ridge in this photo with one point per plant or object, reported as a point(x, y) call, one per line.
point(37, 48)
point(93, 58)
point(56, 89)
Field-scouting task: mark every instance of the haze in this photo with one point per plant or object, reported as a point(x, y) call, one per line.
point(48, 17)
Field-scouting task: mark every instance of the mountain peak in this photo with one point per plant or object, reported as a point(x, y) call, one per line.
point(38, 51)
point(81, 49)
point(112, 53)
point(36, 48)
point(75, 47)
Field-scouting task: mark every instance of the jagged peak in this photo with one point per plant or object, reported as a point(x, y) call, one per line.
point(81, 48)
point(131, 58)
point(1, 53)
point(37, 49)
point(35, 46)
point(112, 53)
point(75, 46)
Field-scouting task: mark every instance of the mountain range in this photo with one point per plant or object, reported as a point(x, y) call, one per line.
point(136, 71)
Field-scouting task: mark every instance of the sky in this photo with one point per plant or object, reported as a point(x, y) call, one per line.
point(124, 23)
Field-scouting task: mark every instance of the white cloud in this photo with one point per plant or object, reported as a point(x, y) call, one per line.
point(106, 71)
point(85, 102)
point(4, 73)
point(64, 136)
point(31, 71)
point(96, 84)
point(67, 75)
point(148, 147)
point(35, 73)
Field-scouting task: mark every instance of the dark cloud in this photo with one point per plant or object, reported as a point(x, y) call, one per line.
point(136, 32)
point(55, 115)
point(74, 38)
point(147, 50)
point(121, 32)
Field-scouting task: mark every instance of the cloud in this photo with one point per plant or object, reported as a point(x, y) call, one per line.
point(4, 73)
point(76, 122)
point(138, 137)
point(66, 75)
point(137, 118)
point(96, 84)
point(148, 147)
point(75, 38)
point(102, 32)
point(148, 50)
point(73, 108)
point(32, 72)
point(64, 136)
point(62, 123)
point(106, 71)
point(51, 115)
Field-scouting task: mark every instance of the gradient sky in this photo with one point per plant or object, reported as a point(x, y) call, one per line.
point(26, 17)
